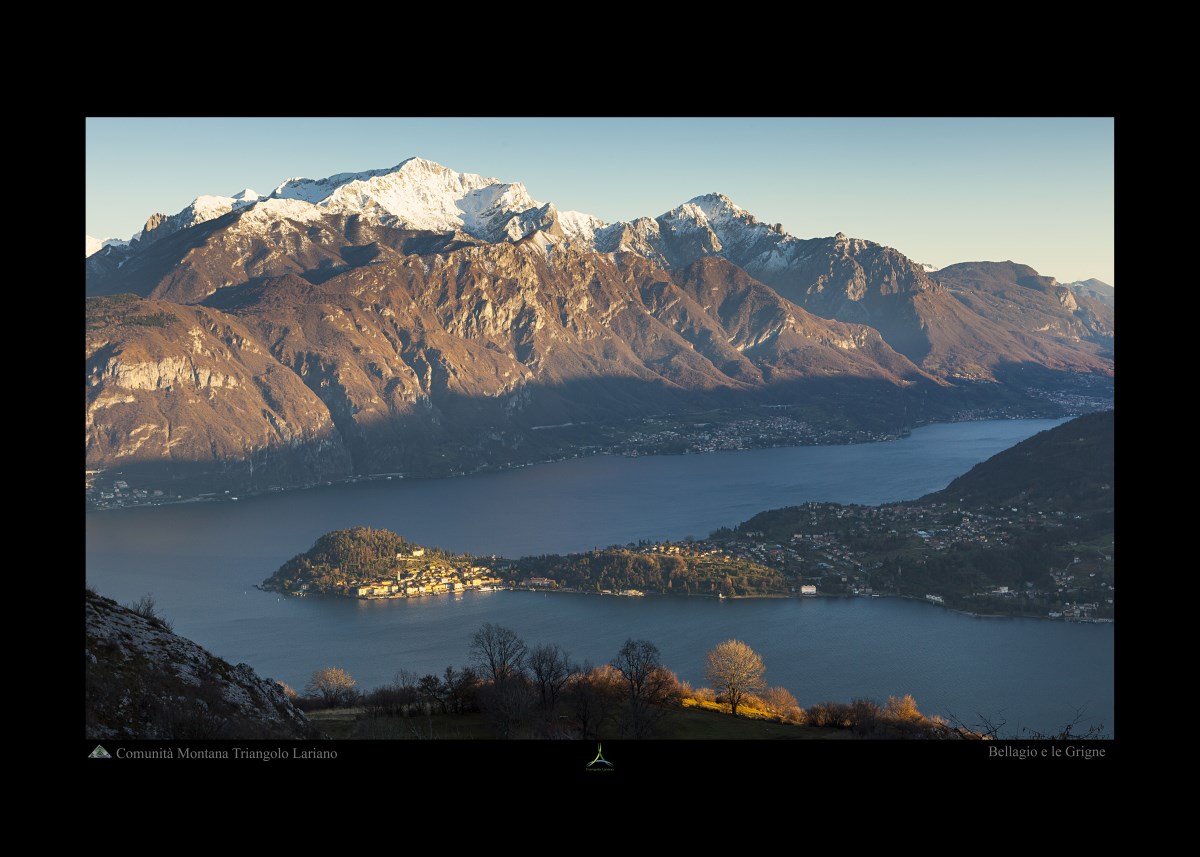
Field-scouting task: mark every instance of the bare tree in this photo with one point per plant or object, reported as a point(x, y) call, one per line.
point(551, 670)
point(734, 670)
point(432, 692)
point(648, 683)
point(591, 696)
point(508, 704)
point(637, 661)
point(333, 685)
point(498, 652)
point(462, 687)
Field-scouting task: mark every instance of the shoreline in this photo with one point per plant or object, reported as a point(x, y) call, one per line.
point(227, 495)
point(761, 597)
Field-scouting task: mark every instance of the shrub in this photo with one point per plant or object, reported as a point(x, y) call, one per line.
point(835, 715)
point(782, 704)
point(147, 608)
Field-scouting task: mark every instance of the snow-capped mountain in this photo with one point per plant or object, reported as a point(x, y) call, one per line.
point(91, 245)
point(201, 210)
point(706, 225)
point(419, 194)
point(415, 194)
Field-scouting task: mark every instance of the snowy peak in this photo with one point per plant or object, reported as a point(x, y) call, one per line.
point(420, 194)
point(201, 210)
point(314, 190)
point(576, 224)
point(708, 225)
point(729, 224)
point(91, 245)
point(717, 207)
point(204, 208)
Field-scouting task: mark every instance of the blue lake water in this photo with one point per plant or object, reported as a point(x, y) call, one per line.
point(201, 561)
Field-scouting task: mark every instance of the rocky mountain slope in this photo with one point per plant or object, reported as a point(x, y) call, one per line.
point(392, 361)
point(859, 281)
point(192, 388)
point(384, 320)
point(144, 681)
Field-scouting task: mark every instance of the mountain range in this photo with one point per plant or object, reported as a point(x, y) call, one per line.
point(416, 318)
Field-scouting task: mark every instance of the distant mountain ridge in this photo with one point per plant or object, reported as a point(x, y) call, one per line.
point(1094, 289)
point(1006, 292)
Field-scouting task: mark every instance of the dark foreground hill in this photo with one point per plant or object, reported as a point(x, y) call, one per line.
point(1071, 465)
point(144, 681)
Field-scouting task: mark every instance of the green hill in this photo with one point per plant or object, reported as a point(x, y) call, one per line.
point(1070, 465)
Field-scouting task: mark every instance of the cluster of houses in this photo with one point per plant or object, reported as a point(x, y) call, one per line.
point(425, 579)
point(1078, 612)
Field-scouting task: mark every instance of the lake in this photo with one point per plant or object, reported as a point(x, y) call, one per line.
point(201, 561)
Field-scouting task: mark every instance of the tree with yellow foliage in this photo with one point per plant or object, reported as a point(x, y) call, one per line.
point(332, 685)
point(734, 670)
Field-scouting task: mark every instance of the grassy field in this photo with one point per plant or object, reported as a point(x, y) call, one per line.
point(341, 723)
point(699, 721)
point(691, 722)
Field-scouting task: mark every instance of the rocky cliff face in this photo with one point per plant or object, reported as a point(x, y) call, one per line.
point(144, 681)
point(177, 385)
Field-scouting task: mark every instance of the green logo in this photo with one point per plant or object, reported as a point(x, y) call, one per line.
point(599, 763)
point(99, 753)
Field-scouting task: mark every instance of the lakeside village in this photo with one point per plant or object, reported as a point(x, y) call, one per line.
point(418, 572)
point(1016, 560)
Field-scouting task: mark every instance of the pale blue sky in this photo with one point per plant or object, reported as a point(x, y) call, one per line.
point(1037, 191)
